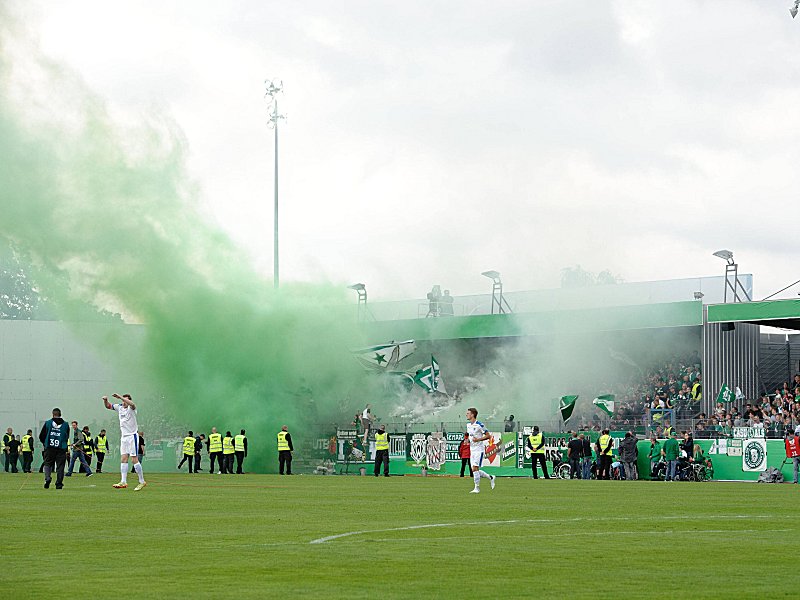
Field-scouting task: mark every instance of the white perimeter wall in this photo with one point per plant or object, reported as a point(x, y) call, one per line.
point(48, 363)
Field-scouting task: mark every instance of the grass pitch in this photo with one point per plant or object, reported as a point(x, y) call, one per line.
point(251, 537)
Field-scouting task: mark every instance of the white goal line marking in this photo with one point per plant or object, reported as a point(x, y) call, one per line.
point(338, 536)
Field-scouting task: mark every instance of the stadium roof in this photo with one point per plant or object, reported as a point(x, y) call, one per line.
point(617, 318)
point(774, 313)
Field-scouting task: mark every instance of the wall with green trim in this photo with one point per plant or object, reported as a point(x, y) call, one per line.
point(618, 318)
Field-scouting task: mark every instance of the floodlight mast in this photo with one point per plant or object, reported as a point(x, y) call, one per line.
point(498, 301)
point(363, 310)
point(273, 88)
point(732, 276)
point(793, 11)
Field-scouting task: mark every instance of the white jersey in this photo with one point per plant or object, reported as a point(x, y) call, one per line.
point(474, 430)
point(127, 419)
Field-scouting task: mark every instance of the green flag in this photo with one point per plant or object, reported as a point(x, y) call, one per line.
point(566, 405)
point(605, 403)
point(429, 379)
point(725, 394)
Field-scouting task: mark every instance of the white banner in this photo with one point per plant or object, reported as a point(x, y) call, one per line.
point(436, 451)
point(754, 454)
point(743, 433)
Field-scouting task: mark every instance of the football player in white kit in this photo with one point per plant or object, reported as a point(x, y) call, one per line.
point(477, 443)
point(129, 441)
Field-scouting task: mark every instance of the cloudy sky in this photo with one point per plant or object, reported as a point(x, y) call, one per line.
point(429, 141)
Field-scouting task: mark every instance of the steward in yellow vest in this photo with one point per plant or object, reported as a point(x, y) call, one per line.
point(188, 452)
point(285, 449)
point(27, 451)
point(606, 445)
point(381, 441)
point(87, 448)
point(227, 453)
point(240, 448)
point(381, 451)
point(215, 450)
point(101, 445)
point(697, 391)
point(535, 443)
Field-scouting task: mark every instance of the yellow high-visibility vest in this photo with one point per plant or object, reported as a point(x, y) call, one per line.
point(26, 443)
point(227, 445)
point(102, 445)
point(535, 441)
point(606, 444)
point(87, 444)
point(188, 445)
point(381, 441)
point(282, 443)
point(215, 442)
point(238, 443)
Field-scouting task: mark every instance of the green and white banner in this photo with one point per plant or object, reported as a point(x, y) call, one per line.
point(754, 454)
point(725, 394)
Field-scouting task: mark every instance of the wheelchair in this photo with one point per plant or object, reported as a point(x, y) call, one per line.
point(659, 471)
point(561, 469)
point(703, 471)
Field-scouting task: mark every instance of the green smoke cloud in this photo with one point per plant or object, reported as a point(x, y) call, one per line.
point(109, 217)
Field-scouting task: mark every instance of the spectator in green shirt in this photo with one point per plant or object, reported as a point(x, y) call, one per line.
point(670, 452)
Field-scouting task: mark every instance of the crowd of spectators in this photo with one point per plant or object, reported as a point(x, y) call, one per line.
point(671, 396)
point(650, 397)
point(778, 413)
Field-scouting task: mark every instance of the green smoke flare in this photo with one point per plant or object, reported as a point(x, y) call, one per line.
point(109, 217)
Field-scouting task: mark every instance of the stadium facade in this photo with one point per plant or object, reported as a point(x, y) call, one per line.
point(46, 361)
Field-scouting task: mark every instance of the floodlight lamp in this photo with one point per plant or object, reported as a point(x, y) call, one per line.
point(491, 274)
point(698, 295)
point(724, 255)
point(274, 87)
point(356, 286)
point(794, 9)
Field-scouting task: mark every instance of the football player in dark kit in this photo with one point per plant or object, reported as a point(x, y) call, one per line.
point(55, 438)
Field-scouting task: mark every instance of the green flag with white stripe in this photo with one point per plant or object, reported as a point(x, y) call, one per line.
point(605, 402)
point(566, 405)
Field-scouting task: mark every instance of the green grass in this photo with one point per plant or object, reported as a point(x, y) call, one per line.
point(248, 536)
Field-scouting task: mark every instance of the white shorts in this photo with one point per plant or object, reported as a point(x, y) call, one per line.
point(129, 444)
point(476, 458)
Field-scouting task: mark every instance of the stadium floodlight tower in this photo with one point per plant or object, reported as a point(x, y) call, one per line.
point(363, 310)
point(732, 282)
point(274, 87)
point(498, 301)
point(795, 8)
